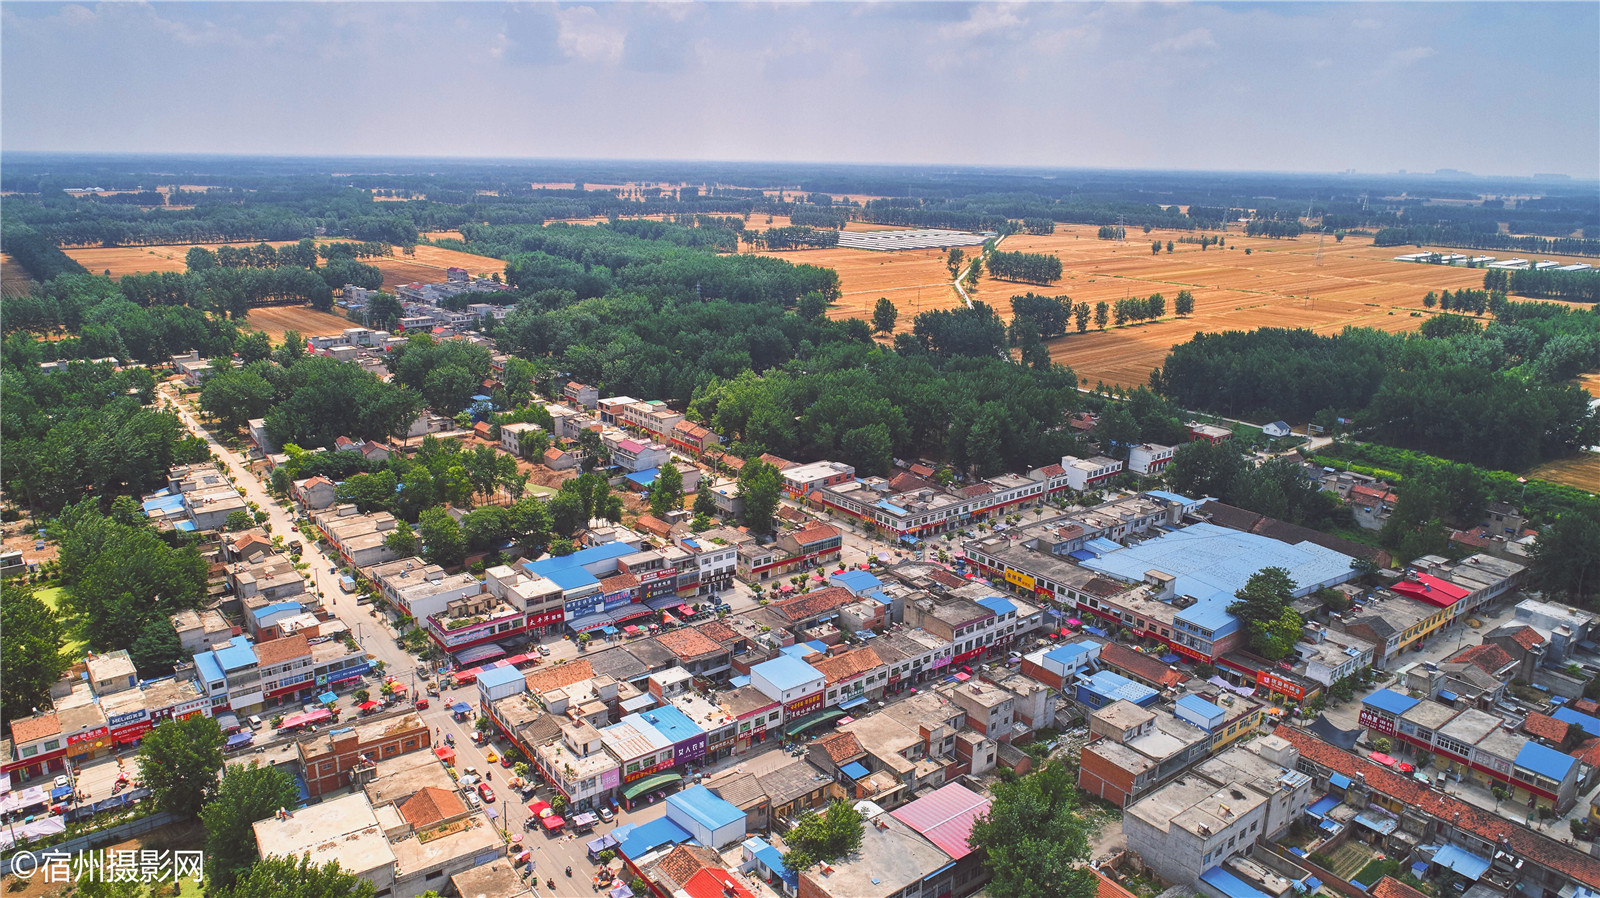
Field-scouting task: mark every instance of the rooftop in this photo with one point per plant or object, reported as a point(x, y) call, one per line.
point(945, 817)
point(892, 856)
point(342, 829)
point(705, 808)
point(785, 672)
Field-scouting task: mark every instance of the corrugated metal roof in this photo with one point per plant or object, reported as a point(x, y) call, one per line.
point(705, 808)
point(1390, 701)
point(1545, 761)
point(945, 817)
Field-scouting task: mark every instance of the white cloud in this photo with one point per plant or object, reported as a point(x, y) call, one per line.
point(585, 35)
point(1399, 59)
point(986, 19)
point(1196, 39)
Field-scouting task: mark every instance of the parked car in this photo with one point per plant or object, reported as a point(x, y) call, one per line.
point(63, 781)
point(544, 650)
point(422, 704)
point(606, 814)
point(486, 793)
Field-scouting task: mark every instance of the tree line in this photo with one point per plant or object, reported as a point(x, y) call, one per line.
point(1464, 238)
point(1139, 308)
point(1578, 286)
point(1497, 397)
point(793, 237)
point(1031, 268)
point(1263, 228)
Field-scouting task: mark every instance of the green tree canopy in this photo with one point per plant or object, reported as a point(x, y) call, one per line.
point(30, 653)
point(666, 494)
point(248, 793)
point(822, 838)
point(442, 541)
point(884, 315)
point(275, 877)
point(180, 760)
point(1036, 837)
point(1262, 607)
point(759, 487)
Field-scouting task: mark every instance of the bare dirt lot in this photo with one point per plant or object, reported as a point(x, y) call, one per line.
point(121, 260)
point(308, 321)
point(429, 263)
point(915, 280)
point(1281, 283)
point(1581, 470)
point(14, 280)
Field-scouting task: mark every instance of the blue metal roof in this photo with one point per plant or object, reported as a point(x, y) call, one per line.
point(1461, 861)
point(856, 581)
point(645, 477)
point(1081, 555)
point(785, 672)
point(1390, 701)
point(1378, 824)
point(894, 508)
point(606, 552)
point(237, 654)
point(164, 503)
point(1174, 498)
point(266, 613)
point(500, 676)
point(1200, 706)
point(1323, 805)
point(1545, 761)
point(674, 725)
point(1101, 546)
point(647, 837)
point(1212, 562)
point(1071, 653)
point(855, 770)
point(856, 702)
point(1116, 686)
point(771, 858)
point(705, 808)
point(1230, 886)
point(1210, 614)
point(1339, 780)
point(1590, 724)
point(798, 650)
point(210, 670)
point(999, 606)
point(572, 578)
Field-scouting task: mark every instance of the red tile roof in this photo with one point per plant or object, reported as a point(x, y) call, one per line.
point(683, 862)
point(430, 805)
point(541, 681)
point(848, 665)
point(32, 729)
point(1528, 638)
point(277, 651)
point(1589, 752)
point(1586, 706)
point(1105, 888)
point(813, 603)
point(1052, 470)
point(842, 746)
point(618, 582)
point(719, 632)
point(922, 470)
point(1492, 828)
point(654, 525)
point(977, 489)
point(1137, 664)
point(1488, 657)
point(907, 483)
point(688, 643)
point(1545, 727)
point(1389, 887)
point(775, 461)
point(814, 532)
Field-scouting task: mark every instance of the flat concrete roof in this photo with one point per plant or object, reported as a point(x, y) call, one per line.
point(343, 829)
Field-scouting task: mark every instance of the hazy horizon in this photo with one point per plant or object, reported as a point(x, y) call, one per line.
point(1486, 89)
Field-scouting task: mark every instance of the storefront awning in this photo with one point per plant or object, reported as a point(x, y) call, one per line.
point(1340, 780)
point(811, 720)
point(856, 702)
point(651, 782)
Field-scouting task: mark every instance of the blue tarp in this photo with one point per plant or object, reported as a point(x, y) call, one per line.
point(1170, 658)
point(1446, 695)
point(1081, 555)
point(609, 630)
point(238, 739)
point(60, 792)
point(1095, 631)
point(460, 708)
point(1340, 780)
point(328, 697)
point(1461, 861)
point(1332, 826)
point(1230, 886)
point(1323, 805)
point(855, 770)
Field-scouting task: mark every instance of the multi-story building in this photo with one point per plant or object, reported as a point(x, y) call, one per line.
point(693, 438)
point(359, 538)
point(853, 678)
point(802, 479)
point(1133, 750)
point(1149, 458)
point(716, 558)
point(1194, 823)
point(419, 589)
point(1089, 473)
point(798, 686)
point(653, 418)
point(328, 758)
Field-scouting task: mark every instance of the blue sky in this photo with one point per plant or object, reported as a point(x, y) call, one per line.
point(1484, 87)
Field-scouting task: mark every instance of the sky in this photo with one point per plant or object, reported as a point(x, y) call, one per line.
point(1489, 88)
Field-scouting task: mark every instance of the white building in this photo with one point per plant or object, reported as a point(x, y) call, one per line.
point(1089, 473)
point(1149, 458)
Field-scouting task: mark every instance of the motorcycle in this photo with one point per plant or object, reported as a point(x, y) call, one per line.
point(569, 872)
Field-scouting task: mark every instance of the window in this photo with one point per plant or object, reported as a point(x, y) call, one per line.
point(29, 752)
point(52, 745)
